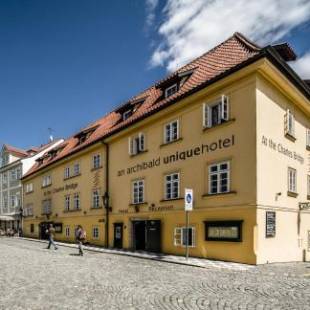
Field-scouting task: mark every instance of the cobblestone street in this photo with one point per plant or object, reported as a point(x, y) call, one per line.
point(32, 277)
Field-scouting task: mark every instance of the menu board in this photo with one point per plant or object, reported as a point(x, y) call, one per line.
point(270, 224)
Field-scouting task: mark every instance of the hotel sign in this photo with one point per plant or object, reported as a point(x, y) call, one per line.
point(61, 189)
point(181, 155)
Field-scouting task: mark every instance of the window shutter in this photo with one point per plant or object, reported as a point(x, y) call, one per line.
point(225, 108)
point(130, 146)
point(177, 236)
point(206, 116)
point(286, 120)
point(308, 137)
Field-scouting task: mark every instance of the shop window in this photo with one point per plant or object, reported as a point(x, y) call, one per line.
point(96, 161)
point(67, 231)
point(76, 201)
point(172, 186)
point(289, 124)
point(138, 191)
point(223, 231)
point(67, 173)
point(180, 235)
point(95, 232)
point(292, 180)
point(67, 202)
point(219, 178)
point(96, 199)
point(216, 113)
point(136, 144)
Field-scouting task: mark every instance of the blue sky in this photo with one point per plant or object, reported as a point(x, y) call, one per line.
point(65, 63)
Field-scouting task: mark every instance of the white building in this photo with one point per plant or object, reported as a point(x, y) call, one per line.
point(14, 163)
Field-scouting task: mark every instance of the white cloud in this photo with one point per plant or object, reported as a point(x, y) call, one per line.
point(190, 28)
point(302, 66)
point(150, 11)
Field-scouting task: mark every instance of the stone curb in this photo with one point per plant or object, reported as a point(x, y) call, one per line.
point(148, 257)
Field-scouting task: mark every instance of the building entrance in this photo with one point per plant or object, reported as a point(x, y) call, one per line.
point(147, 235)
point(118, 235)
point(42, 229)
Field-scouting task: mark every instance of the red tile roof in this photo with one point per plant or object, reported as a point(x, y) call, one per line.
point(213, 65)
point(14, 150)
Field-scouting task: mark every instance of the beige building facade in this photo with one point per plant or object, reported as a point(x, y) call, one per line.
point(241, 143)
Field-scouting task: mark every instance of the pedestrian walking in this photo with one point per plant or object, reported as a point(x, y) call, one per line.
point(80, 236)
point(51, 231)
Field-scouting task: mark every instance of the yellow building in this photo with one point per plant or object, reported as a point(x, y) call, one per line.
point(233, 125)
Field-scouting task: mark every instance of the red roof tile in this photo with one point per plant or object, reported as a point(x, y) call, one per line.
point(230, 54)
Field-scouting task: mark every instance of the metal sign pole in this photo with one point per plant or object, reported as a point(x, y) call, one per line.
point(187, 234)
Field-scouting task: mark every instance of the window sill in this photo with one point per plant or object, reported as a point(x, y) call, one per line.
point(46, 213)
point(137, 204)
point(27, 193)
point(45, 186)
point(96, 208)
point(139, 153)
point(97, 168)
point(172, 199)
point(72, 210)
point(292, 194)
point(290, 137)
point(171, 142)
point(219, 194)
point(73, 176)
point(230, 121)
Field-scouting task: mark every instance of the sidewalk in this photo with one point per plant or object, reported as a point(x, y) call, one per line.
point(195, 262)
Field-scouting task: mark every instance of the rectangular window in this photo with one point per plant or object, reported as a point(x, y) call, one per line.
point(76, 169)
point(223, 231)
point(76, 201)
point(96, 232)
point(219, 178)
point(138, 191)
point(67, 173)
point(136, 144)
point(292, 180)
point(96, 161)
point(13, 201)
point(47, 180)
point(127, 114)
point(289, 123)
point(172, 186)
point(67, 202)
point(169, 91)
point(13, 175)
point(180, 235)
point(308, 188)
point(171, 132)
point(29, 188)
point(46, 206)
point(67, 231)
point(18, 173)
point(308, 138)
point(96, 199)
point(31, 228)
point(28, 210)
point(216, 113)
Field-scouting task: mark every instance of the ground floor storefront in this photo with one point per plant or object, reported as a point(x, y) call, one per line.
point(247, 234)
point(10, 224)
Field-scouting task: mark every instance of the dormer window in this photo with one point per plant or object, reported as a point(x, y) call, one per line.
point(85, 134)
point(126, 114)
point(171, 90)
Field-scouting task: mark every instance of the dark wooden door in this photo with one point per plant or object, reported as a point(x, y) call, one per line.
point(118, 235)
point(153, 236)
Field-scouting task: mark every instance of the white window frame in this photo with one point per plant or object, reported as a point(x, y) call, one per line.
point(136, 144)
point(172, 182)
point(292, 180)
point(13, 175)
point(308, 137)
point(76, 201)
point(137, 197)
point(127, 114)
point(67, 202)
point(67, 231)
point(168, 89)
point(169, 133)
point(96, 199)
point(96, 161)
point(219, 174)
point(289, 123)
point(95, 232)
point(47, 180)
point(308, 183)
point(67, 173)
point(223, 111)
point(179, 236)
point(76, 169)
point(29, 187)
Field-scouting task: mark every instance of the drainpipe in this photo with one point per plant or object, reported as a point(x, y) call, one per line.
point(106, 196)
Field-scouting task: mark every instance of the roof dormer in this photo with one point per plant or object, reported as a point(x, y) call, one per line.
point(127, 109)
point(83, 135)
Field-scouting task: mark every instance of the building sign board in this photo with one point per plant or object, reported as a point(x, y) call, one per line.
point(270, 224)
point(188, 199)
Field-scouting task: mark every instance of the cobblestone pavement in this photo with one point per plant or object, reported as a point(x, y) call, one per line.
point(32, 277)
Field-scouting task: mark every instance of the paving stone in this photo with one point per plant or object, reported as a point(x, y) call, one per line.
point(32, 277)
